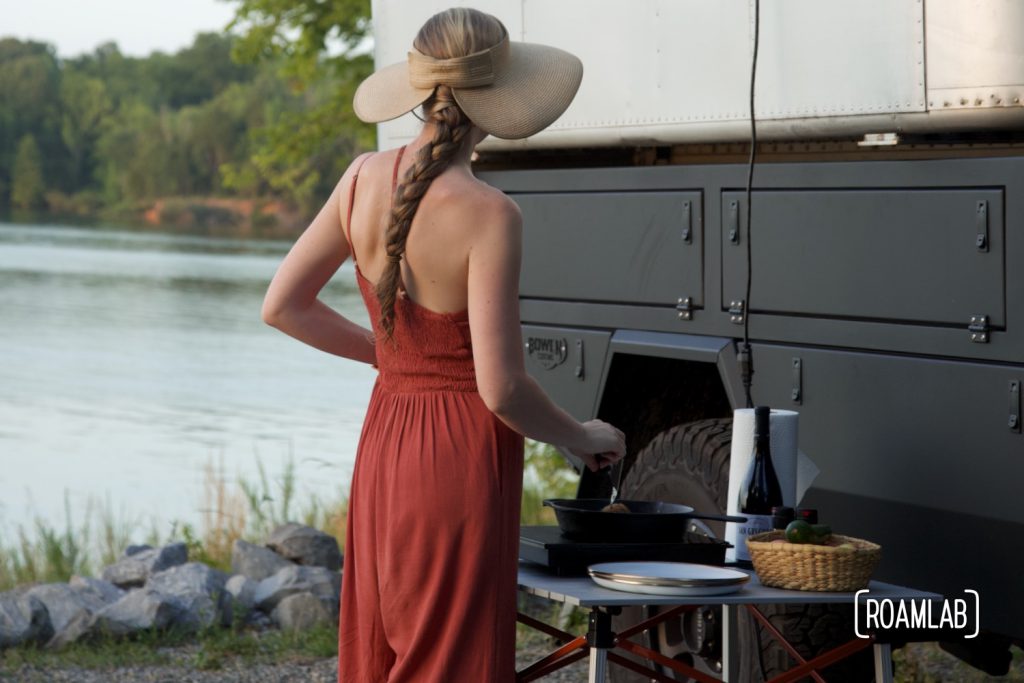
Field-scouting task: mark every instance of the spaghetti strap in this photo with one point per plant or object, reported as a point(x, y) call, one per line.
point(394, 171)
point(347, 228)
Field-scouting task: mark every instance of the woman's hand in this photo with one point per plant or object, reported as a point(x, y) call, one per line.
point(605, 445)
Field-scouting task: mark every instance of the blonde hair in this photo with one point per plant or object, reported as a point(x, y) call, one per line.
point(456, 32)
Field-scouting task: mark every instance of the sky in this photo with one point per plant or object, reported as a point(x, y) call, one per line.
point(139, 27)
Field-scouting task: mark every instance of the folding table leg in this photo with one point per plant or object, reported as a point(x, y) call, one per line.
point(598, 665)
point(600, 638)
point(731, 643)
point(883, 663)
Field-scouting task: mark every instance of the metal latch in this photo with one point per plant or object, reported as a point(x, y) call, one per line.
point(736, 309)
point(1013, 422)
point(879, 140)
point(578, 371)
point(734, 222)
point(979, 329)
point(981, 225)
point(798, 381)
point(687, 223)
point(685, 308)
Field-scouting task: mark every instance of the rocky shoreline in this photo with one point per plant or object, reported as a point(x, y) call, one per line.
point(291, 582)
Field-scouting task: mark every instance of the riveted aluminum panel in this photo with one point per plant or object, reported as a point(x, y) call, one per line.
point(568, 364)
point(612, 246)
point(896, 255)
point(975, 54)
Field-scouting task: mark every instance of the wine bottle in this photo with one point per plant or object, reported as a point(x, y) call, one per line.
point(760, 490)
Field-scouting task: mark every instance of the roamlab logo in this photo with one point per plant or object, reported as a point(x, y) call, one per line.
point(956, 617)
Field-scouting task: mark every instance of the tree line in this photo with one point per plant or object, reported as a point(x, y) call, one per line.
point(261, 112)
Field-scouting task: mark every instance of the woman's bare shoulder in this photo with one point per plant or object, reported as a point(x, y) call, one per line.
point(482, 204)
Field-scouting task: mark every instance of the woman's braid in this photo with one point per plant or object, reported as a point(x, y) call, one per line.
point(450, 128)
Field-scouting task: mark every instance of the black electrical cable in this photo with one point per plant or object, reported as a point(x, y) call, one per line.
point(746, 355)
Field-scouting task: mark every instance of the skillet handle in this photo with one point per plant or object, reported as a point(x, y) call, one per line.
point(720, 518)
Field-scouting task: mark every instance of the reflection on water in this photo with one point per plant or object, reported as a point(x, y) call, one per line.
point(130, 360)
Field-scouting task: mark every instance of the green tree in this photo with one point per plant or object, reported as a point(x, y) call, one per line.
point(27, 186)
point(137, 148)
point(84, 104)
point(197, 73)
point(318, 45)
point(29, 79)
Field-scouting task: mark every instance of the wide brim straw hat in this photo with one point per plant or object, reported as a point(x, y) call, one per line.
point(511, 90)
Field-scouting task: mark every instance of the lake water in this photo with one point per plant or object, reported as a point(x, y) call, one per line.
point(131, 360)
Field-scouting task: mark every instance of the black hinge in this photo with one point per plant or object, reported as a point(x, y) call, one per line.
point(734, 222)
point(979, 329)
point(736, 309)
point(981, 225)
point(579, 371)
point(798, 381)
point(1013, 422)
point(685, 308)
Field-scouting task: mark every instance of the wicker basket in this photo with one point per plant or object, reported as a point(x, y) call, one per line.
point(810, 567)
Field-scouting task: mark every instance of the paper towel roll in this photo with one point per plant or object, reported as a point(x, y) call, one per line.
point(794, 470)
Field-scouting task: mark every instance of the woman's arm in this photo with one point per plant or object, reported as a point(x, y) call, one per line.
point(506, 388)
point(291, 304)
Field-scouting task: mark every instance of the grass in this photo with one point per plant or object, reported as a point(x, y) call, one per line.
point(45, 554)
point(212, 649)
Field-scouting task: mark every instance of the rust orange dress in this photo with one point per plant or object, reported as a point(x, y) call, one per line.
point(429, 582)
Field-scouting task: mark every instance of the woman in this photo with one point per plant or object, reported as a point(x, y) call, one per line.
point(429, 582)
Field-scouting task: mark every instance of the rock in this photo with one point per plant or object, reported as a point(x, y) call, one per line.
point(242, 590)
point(72, 605)
point(259, 620)
point(323, 583)
point(255, 561)
point(136, 549)
point(306, 545)
point(74, 630)
point(301, 612)
point(104, 590)
point(23, 619)
point(199, 589)
point(133, 570)
point(63, 603)
point(137, 610)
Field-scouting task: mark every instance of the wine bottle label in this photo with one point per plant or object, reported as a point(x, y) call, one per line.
point(755, 524)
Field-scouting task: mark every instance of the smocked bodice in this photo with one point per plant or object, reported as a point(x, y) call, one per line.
point(429, 351)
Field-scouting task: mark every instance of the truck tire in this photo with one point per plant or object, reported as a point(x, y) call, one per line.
point(689, 464)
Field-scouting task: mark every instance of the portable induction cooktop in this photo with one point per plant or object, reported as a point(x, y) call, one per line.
point(545, 545)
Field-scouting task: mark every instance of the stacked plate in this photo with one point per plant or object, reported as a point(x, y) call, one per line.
point(668, 578)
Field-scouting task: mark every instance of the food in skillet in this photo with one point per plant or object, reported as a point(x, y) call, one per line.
point(615, 507)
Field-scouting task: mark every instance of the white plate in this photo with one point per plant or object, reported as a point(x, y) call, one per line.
point(680, 591)
point(674, 575)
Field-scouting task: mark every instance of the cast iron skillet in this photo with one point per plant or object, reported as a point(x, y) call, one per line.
point(581, 518)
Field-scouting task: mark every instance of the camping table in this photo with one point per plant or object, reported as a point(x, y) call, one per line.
point(601, 639)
